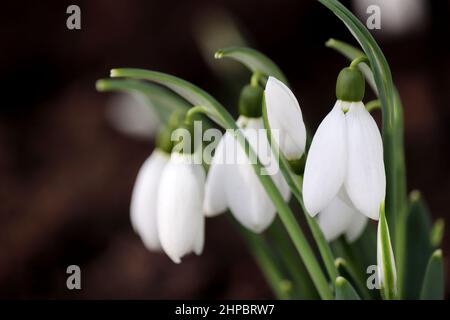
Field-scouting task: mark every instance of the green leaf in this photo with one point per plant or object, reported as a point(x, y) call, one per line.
point(388, 276)
point(437, 233)
point(218, 113)
point(344, 290)
point(433, 284)
point(162, 100)
point(418, 247)
point(253, 60)
point(346, 269)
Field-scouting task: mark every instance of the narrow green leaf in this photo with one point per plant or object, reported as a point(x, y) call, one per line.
point(344, 290)
point(418, 247)
point(437, 233)
point(253, 60)
point(388, 276)
point(347, 270)
point(433, 284)
point(218, 113)
point(162, 100)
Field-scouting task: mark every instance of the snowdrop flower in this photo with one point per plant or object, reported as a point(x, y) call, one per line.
point(345, 161)
point(145, 191)
point(284, 114)
point(143, 199)
point(180, 217)
point(232, 182)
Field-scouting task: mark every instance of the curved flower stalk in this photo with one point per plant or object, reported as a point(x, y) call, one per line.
point(232, 183)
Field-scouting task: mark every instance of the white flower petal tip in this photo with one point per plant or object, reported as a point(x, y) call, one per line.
point(143, 200)
point(285, 119)
point(366, 180)
point(326, 164)
point(356, 227)
point(179, 207)
point(335, 219)
point(215, 201)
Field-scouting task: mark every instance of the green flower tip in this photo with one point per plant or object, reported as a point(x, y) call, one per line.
point(340, 281)
point(114, 73)
point(339, 262)
point(330, 42)
point(100, 85)
point(285, 285)
point(437, 254)
point(218, 54)
point(415, 196)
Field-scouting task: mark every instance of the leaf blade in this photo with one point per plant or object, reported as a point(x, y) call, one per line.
point(433, 283)
point(254, 60)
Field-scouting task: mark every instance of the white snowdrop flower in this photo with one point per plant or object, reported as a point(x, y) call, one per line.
point(284, 114)
point(144, 196)
point(346, 152)
point(180, 216)
point(232, 182)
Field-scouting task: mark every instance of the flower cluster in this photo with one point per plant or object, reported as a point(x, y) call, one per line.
point(344, 178)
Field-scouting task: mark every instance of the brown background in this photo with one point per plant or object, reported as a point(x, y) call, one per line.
point(66, 175)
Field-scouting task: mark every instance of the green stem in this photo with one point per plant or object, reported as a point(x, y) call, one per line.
point(373, 105)
point(354, 64)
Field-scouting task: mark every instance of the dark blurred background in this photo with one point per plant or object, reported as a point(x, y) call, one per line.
point(66, 173)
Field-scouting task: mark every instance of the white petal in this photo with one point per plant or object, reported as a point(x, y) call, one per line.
point(246, 196)
point(285, 116)
point(335, 218)
point(326, 163)
point(215, 199)
point(143, 199)
point(356, 227)
point(365, 181)
point(180, 201)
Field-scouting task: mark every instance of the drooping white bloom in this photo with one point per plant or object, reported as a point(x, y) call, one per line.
point(143, 199)
point(232, 182)
point(346, 152)
point(180, 216)
point(284, 114)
